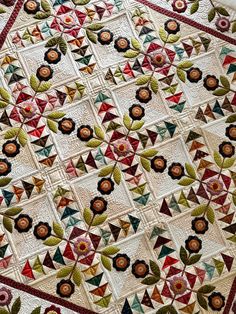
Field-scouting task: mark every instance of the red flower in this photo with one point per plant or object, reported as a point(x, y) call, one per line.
point(179, 6)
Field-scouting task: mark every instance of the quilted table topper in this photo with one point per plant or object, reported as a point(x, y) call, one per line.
point(117, 156)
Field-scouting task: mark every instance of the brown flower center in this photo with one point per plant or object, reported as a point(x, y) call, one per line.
point(98, 205)
point(136, 111)
point(144, 94)
point(194, 245)
point(172, 25)
point(211, 82)
point(217, 302)
point(52, 55)
point(176, 171)
point(159, 163)
point(65, 289)
point(106, 185)
point(105, 36)
point(195, 74)
point(140, 269)
point(44, 72)
point(121, 262)
point(227, 149)
point(23, 223)
point(122, 43)
point(31, 5)
point(200, 225)
point(10, 148)
point(3, 167)
point(66, 125)
point(85, 133)
point(232, 132)
point(42, 230)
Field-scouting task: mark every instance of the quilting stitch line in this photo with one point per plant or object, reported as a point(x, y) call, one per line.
point(188, 21)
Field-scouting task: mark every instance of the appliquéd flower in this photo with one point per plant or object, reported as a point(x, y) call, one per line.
point(28, 109)
point(44, 73)
point(98, 205)
point(176, 171)
point(178, 284)
point(223, 24)
point(82, 246)
point(122, 147)
point(85, 133)
point(31, 6)
point(172, 26)
point(23, 223)
point(11, 148)
point(179, 6)
point(226, 149)
point(140, 269)
point(65, 288)
point(52, 310)
point(216, 301)
point(158, 164)
point(106, 186)
point(144, 94)
point(121, 262)
point(200, 225)
point(136, 112)
point(193, 244)
point(66, 125)
point(5, 296)
point(42, 230)
point(5, 167)
point(52, 55)
point(105, 37)
point(122, 44)
point(214, 186)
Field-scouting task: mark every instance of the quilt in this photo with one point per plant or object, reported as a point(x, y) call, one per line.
point(117, 156)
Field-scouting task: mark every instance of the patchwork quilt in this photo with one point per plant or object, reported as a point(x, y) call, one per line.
point(117, 156)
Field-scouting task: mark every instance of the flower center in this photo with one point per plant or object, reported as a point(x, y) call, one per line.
point(23, 223)
point(3, 167)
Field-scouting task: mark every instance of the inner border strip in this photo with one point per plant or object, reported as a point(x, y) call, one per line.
point(10, 22)
point(43, 295)
point(188, 21)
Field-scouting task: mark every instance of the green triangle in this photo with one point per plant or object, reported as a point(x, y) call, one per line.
point(3, 250)
point(170, 127)
point(80, 165)
point(179, 107)
point(104, 302)
point(232, 239)
point(113, 126)
point(165, 251)
point(95, 281)
point(85, 60)
point(183, 200)
point(156, 232)
point(143, 138)
point(139, 190)
point(231, 69)
point(219, 266)
point(37, 266)
point(134, 222)
point(136, 305)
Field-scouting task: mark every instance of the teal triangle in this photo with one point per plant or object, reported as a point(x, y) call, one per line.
point(217, 109)
point(142, 199)
point(8, 196)
point(105, 236)
point(134, 222)
point(209, 269)
point(72, 222)
point(11, 69)
point(179, 51)
point(3, 250)
point(165, 251)
point(231, 69)
point(171, 128)
point(136, 305)
point(58, 257)
point(225, 51)
point(85, 60)
point(100, 157)
point(148, 39)
point(45, 151)
point(179, 107)
point(161, 131)
point(68, 212)
point(101, 97)
point(174, 205)
point(95, 281)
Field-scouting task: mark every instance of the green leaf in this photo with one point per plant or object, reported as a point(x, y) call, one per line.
point(154, 85)
point(81, 2)
point(206, 289)
point(172, 38)
point(183, 255)
point(58, 230)
point(64, 272)
point(11, 133)
point(150, 280)
point(234, 27)
point(199, 210)
point(94, 143)
point(106, 262)
point(185, 65)
point(45, 5)
point(99, 132)
point(167, 309)
point(190, 171)
point(4, 181)
point(99, 219)
point(211, 14)
point(202, 301)
point(7, 223)
point(51, 241)
point(53, 41)
point(117, 175)
point(225, 82)
point(145, 163)
point(181, 75)
point(44, 86)
point(88, 216)
point(194, 259)
point(194, 7)
point(2, 11)
point(106, 171)
point(149, 152)
point(91, 36)
point(62, 45)
point(210, 215)
point(186, 181)
point(135, 43)
point(3, 104)
point(228, 162)
point(163, 34)
point(22, 137)
point(42, 15)
point(95, 27)
point(127, 121)
point(37, 310)
point(142, 80)
point(222, 11)
point(110, 250)
point(56, 115)
point(4, 94)
point(131, 53)
point(155, 269)
point(220, 92)
point(52, 125)
point(137, 125)
point(218, 159)
point(77, 276)
point(13, 211)
point(16, 306)
point(231, 118)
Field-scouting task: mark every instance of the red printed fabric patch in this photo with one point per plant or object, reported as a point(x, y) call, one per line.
point(117, 156)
